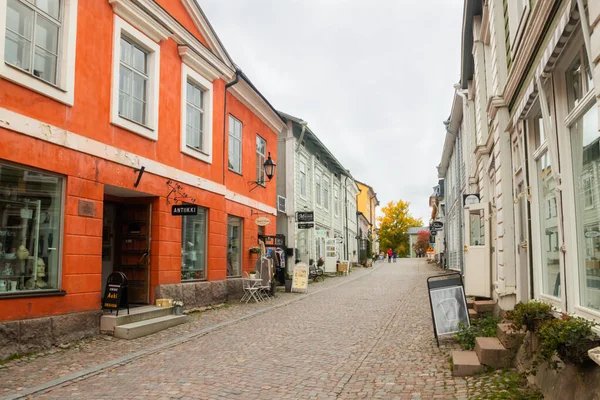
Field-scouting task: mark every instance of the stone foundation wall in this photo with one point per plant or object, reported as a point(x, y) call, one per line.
point(201, 294)
point(39, 334)
point(581, 382)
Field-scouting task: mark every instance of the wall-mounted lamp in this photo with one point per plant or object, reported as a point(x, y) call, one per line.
point(269, 167)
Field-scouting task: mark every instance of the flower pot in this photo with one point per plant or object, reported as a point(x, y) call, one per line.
point(178, 310)
point(288, 286)
point(252, 276)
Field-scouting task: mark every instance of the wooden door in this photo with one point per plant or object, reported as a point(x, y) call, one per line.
point(135, 250)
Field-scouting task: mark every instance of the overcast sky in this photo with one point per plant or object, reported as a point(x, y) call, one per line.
point(373, 78)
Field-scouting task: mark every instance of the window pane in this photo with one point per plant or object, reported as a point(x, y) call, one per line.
point(51, 7)
point(234, 246)
point(189, 96)
point(139, 60)
point(586, 162)
point(19, 19)
point(193, 246)
point(235, 144)
point(139, 111)
point(124, 105)
point(126, 50)
point(46, 35)
point(125, 80)
point(477, 228)
point(549, 228)
point(575, 90)
point(17, 51)
point(45, 65)
point(30, 210)
point(139, 87)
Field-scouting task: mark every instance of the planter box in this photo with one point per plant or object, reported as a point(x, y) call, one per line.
point(342, 267)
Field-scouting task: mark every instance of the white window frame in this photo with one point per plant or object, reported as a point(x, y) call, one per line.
point(261, 180)
point(188, 74)
point(230, 116)
point(318, 184)
point(302, 179)
point(336, 200)
point(325, 193)
point(150, 130)
point(64, 89)
point(518, 14)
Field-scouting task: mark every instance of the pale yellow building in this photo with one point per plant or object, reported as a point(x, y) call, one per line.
point(367, 202)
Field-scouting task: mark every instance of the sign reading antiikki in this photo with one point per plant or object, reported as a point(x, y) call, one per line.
point(185, 209)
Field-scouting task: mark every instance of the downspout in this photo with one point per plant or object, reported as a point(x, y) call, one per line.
point(238, 72)
point(346, 217)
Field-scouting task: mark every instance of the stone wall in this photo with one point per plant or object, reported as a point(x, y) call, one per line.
point(201, 294)
point(39, 334)
point(581, 382)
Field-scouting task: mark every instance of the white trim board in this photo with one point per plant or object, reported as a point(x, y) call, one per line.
point(246, 201)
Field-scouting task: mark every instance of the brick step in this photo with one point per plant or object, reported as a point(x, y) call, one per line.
point(473, 314)
point(148, 327)
point(492, 353)
point(465, 363)
point(470, 304)
point(509, 338)
point(484, 306)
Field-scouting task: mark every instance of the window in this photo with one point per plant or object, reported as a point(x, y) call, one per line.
point(326, 193)
point(234, 246)
point(261, 149)
point(587, 191)
point(196, 115)
point(30, 229)
point(336, 199)
point(318, 189)
point(37, 40)
point(135, 81)
point(302, 170)
point(477, 225)
point(193, 246)
point(235, 144)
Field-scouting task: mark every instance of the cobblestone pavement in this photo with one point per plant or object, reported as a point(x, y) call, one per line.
point(367, 335)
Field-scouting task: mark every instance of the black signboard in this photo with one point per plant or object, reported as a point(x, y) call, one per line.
point(307, 225)
point(115, 294)
point(305, 216)
point(433, 233)
point(273, 241)
point(448, 304)
point(437, 225)
point(185, 209)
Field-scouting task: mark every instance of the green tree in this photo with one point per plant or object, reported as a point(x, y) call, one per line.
point(393, 227)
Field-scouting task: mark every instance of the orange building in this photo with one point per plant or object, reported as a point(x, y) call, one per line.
point(111, 112)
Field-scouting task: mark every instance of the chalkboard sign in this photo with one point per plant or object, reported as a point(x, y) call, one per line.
point(115, 294)
point(300, 278)
point(448, 304)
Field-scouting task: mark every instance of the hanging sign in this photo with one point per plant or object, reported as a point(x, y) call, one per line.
point(469, 199)
point(437, 225)
point(433, 233)
point(448, 304)
point(308, 225)
point(305, 216)
point(300, 278)
point(592, 234)
point(184, 209)
point(262, 221)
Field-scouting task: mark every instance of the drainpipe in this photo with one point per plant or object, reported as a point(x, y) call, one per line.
point(238, 72)
point(346, 217)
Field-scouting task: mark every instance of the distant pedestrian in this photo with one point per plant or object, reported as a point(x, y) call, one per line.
point(389, 254)
point(395, 255)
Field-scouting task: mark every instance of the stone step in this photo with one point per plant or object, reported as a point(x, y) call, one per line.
point(109, 321)
point(509, 338)
point(465, 363)
point(147, 327)
point(484, 306)
point(470, 304)
point(492, 353)
point(473, 314)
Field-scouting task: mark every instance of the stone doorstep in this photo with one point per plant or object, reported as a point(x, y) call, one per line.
point(509, 338)
point(470, 304)
point(492, 353)
point(465, 363)
point(484, 306)
point(473, 314)
point(109, 321)
point(148, 327)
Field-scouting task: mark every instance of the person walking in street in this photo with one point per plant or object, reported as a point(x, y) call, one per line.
point(389, 254)
point(395, 255)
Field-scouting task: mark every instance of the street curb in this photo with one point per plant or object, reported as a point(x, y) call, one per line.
point(154, 349)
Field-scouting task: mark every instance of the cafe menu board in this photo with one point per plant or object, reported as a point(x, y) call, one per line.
point(113, 296)
point(300, 278)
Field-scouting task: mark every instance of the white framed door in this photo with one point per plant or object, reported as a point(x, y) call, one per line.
point(331, 255)
point(477, 251)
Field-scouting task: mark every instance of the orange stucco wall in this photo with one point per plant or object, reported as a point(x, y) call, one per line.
point(86, 175)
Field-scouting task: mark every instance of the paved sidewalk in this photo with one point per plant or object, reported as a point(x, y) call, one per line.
point(368, 335)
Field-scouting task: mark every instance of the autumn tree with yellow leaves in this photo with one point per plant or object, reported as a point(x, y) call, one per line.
point(393, 227)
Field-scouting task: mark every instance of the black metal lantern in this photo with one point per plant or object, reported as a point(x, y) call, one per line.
point(269, 167)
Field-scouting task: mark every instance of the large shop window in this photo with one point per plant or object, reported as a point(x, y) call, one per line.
point(30, 230)
point(234, 246)
point(193, 246)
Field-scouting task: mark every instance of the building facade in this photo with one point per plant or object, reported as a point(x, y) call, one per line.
point(137, 107)
point(367, 204)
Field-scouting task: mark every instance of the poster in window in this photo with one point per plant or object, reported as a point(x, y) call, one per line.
point(449, 309)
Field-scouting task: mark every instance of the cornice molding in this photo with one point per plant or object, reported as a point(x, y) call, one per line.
point(245, 94)
point(198, 64)
point(530, 37)
point(494, 103)
point(127, 10)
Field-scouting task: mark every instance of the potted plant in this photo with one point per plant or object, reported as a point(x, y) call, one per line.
point(255, 250)
point(252, 274)
point(530, 314)
point(178, 307)
point(569, 338)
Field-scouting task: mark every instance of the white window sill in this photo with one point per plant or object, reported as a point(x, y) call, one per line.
point(135, 128)
point(200, 155)
point(38, 85)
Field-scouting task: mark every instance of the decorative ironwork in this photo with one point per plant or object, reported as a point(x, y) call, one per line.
point(178, 194)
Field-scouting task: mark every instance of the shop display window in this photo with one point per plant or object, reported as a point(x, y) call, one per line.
point(193, 246)
point(234, 246)
point(30, 229)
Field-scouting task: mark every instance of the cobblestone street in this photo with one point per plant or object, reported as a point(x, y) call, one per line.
point(367, 335)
